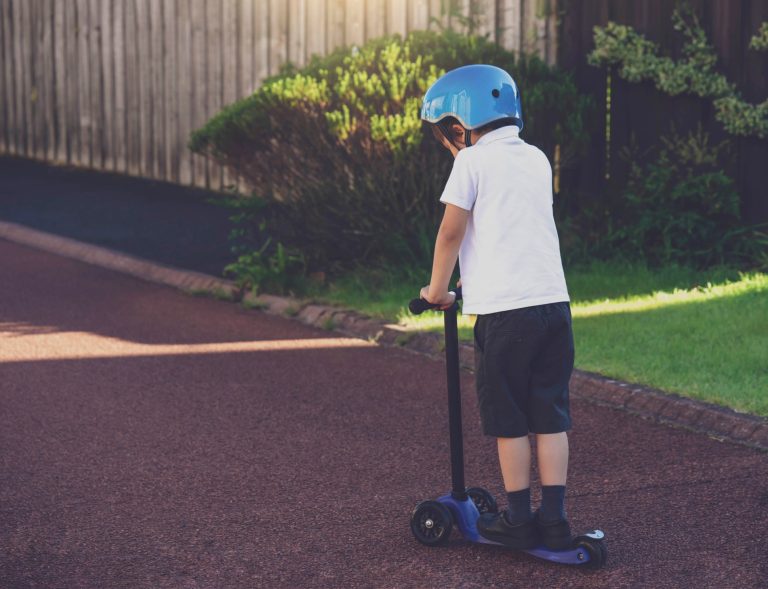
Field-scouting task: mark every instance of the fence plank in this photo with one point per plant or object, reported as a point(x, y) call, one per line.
point(38, 81)
point(4, 117)
point(438, 14)
point(144, 84)
point(59, 149)
point(230, 70)
point(95, 76)
point(22, 90)
point(184, 88)
point(48, 81)
point(508, 17)
point(215, 70)
point(487, 19)
point(278, 34)
point(108, 77)
point(199, 86)
point(156, 67)
point(419, 15)
point(375, 18)
point(245, 53)
point(335, 25)
point(530, 27)
point(297, 32)
point(30, 94)
point(83, 56)
point(245, 48)
point(464, 7)
point(72, 88)
point(9, 99)
point(354, 23)
point(398, 17)
point(170, 98)
point(261, 41)
point(132, 89)
point(13, 90)
point(119, 111)
point(67, 72)
point(316, 37)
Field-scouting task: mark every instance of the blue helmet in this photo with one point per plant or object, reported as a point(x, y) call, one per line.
point(475, 95)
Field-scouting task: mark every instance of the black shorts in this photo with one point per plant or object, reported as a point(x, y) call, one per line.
point(523, 362)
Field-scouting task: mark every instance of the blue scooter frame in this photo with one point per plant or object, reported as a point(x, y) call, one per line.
point(432, 521)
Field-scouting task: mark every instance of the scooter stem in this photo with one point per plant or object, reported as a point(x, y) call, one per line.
point(458, 491)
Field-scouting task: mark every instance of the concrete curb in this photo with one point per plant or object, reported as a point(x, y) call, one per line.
point(113, 260)
point(715, 421)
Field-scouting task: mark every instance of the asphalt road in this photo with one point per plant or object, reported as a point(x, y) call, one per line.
point(149, 439)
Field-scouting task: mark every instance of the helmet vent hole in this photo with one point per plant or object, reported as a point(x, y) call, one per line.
point(495, 93)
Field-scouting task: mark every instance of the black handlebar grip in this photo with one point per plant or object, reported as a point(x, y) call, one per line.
point(418, 306)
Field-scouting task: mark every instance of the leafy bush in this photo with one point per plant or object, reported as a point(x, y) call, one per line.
point(637, 59)
point(680, 207)
point(339, 153)
point(262, 263)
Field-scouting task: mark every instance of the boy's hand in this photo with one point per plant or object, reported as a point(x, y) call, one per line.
point(444, 301)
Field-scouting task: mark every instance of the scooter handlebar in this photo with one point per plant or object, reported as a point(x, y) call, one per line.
point(418, 306)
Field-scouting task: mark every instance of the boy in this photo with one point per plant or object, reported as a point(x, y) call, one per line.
point(498, 221)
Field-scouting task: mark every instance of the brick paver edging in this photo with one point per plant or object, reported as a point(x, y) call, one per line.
point(713, 420)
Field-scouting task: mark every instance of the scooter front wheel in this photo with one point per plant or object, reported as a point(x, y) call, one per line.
point(431, 523)
point(598, 553)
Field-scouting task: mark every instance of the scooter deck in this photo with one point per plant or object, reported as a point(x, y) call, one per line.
point(466, 516)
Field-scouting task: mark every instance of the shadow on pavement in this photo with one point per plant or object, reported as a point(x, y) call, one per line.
point(158, 221)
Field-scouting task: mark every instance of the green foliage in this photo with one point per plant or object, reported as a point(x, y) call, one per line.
point(760, 41)
point(262, 264)
point(272, 269)
point(637, 60)
point(454, 12)
point(680, 207)
point(340, 154)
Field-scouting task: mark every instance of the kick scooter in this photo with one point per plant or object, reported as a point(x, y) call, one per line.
point(433, 521)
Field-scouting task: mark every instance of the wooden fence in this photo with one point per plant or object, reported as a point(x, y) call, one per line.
point(118, 85)
point(641, 114)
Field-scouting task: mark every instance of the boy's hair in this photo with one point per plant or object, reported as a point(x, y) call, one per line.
point(445, 124)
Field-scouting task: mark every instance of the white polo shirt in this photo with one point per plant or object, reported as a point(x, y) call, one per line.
point(510, 255)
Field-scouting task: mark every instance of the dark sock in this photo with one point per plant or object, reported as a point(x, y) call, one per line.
point(519, 506)
point(552, 503)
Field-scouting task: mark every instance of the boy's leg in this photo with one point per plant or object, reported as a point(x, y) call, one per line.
point(552, 456)
point(552, 453)
point(502, 393)
point(515, 462)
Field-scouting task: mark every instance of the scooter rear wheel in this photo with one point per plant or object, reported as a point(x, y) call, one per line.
point(483, 500)
point(431, 523)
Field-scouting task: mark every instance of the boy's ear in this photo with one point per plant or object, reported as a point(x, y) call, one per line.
point(458, 132)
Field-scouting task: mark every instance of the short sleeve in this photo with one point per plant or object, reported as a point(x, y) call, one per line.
point(461, 188)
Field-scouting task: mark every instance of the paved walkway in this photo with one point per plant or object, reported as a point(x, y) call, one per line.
point(150, 439)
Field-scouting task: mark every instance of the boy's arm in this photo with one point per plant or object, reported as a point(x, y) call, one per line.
point(447, 245)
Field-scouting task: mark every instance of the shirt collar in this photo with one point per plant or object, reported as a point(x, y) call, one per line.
point(506, 132)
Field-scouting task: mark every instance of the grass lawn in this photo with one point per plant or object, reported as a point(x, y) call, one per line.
point(700, 334)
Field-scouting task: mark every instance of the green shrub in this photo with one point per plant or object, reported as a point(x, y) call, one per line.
point(637, 59)
point(680, 207)
point(262, 264)
point(261, 269)
point(339, 153)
